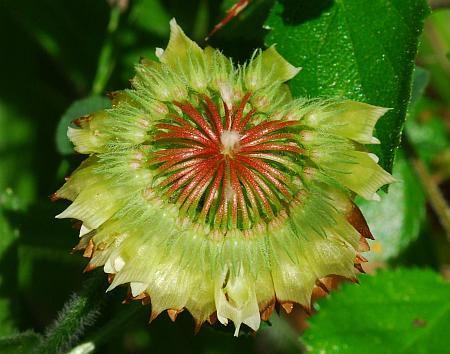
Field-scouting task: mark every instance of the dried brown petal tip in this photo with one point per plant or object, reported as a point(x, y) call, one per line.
point(357, 220)
point(360, 268)
point(363, 245)
point(360, 259)
point(354, 280)
point(82, 120)
point(79, 246)
point(89, 249)
point(308, 309)
point(90, 267)
point(287, 306)
point(54, 197)
point(212, 318)
point(153, 315)
point(146, 301)
point(141, 296)
point(111, 277)
point(322, 286)
point(112, 94)
point(267, 312)
point(198, 326)
point(173, 314)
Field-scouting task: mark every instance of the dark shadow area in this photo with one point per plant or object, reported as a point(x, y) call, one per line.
point(247, 29)
point(180, 10)
point(179, 336)
point(8, 283)
point(296, 12)
point(47, 272)
point(37, 85)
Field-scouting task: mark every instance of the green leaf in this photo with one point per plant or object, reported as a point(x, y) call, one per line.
point(395, 221)
point(401, 311)
point(77, 109)
point(362, 50)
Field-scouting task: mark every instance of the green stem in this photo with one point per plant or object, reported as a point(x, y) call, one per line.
point(435, 197)
point(106, 61)
point(79, 313)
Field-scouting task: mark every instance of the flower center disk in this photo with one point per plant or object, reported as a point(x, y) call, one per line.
point(226, 167)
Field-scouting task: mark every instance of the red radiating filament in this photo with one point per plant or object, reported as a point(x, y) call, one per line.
point(224, 186)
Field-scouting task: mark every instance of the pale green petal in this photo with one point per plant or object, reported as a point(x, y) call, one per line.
point(81, 178)
point(167, 270)
point(359, 172)
point(293, 278)
point(236, 300)
point(93, 206)
point(350, 119)
point(125, 126)
point(91, 136)
point(98, 197)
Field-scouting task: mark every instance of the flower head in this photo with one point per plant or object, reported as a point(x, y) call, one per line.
point(208, 188)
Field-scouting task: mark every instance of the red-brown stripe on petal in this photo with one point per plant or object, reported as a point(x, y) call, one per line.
point(197, 117)
point(265, 128)
point(238, 115)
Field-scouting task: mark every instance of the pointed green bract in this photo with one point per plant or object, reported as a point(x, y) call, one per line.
point(210, 189)
point(267, 68)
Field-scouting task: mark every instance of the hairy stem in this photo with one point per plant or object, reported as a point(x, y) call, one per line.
point(79, 313)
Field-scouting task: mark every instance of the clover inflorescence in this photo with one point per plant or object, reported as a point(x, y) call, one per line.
point(209, 188)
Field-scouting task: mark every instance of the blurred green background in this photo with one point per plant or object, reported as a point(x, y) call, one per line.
point(56, 52)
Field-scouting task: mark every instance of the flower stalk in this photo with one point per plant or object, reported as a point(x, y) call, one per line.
point(78, 314)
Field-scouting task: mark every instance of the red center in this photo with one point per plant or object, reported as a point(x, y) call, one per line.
point(226, 186)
